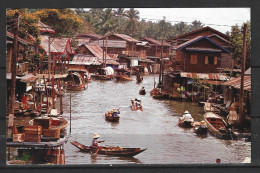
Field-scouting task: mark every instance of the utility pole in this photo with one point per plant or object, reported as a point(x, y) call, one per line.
point(49, 58)
point(243, 61)
point(13, 66)
point(106, 52)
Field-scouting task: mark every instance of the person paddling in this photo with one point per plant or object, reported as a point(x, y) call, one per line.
point(95, 141)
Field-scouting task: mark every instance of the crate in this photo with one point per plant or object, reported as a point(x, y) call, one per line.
point(55, 132)
point(32, 138)
point(33, 130)
point(20, 137)
point(46, 123)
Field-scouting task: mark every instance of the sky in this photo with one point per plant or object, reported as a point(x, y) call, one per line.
point(220, 19)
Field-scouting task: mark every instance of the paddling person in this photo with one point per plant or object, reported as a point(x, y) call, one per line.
point(95, 141)
point(187, 117)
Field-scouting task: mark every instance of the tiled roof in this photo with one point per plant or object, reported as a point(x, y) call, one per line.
point(156, 42)
point(126, 37)
point(196, 39)
point(45, 28)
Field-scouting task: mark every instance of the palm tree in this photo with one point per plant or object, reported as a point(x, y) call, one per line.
point(132, 25)
point(120, 14)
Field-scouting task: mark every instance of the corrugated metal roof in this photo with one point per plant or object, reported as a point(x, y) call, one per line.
point(110, 43)
point(113, 56)
point(196, 39)
point(58, 45)
point(209, 76)
point(25, 78)
point(156, 42)
point(126, 37)
point(95, 36)
point(45, 28)
point(80, 59)
point(236, 82)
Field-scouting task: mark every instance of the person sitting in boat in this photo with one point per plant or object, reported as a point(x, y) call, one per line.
point(95, 141)
point(115, 112)
point(187, 117)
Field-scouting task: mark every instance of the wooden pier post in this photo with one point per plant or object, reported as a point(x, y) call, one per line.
point(243, 61)
point(70, 113)
point(61, 107)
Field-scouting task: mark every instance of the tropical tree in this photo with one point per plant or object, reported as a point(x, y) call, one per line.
point(237, 43)
point(196, 24)
point(64, 21)
point(181, 28)
point(120, 14)
point(132, 24)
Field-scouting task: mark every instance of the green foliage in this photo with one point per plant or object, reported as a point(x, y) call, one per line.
point(237, 43)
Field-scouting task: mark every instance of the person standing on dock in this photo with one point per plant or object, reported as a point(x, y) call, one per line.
point(95, 141)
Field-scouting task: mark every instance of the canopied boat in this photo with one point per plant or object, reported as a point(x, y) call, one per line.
point(136, 105)
point(75, 82)
point(113, 151)
point(218, 127)
point(123, 74)
point(105, 73)
point(112, 116)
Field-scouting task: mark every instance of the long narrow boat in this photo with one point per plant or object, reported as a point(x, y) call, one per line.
point(123, 75)
point(113, 151)
point(217, 126)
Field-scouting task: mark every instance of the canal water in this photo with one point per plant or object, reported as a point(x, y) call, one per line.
point(155, 128)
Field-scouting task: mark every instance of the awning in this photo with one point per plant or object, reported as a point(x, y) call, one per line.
point(208, 76)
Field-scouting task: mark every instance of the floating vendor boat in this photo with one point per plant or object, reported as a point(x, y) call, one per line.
point(113, 151)
point(218, 127)
point(75, 82)
point(136, 105)
point(186, 120)
point(104, 74)
point(157, 93)
point(123, 75)
point(112, 116)
point(200, 127)
point(142, 91)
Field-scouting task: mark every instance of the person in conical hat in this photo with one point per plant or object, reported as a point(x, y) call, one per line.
point(187, 117)
point(95, 141)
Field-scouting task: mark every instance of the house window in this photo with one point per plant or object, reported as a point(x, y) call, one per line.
point(209, 59)
point(194, 59)
point(215, 60)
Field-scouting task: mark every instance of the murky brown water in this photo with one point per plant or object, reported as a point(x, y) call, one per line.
point(155, 128)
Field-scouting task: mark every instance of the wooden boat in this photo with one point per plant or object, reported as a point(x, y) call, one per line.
point(200, 127)
point(209, 108)
point(104, 74)
point(217, 126)
point(185, 123)
point(136, 105)
point(142, 91)
point(123, 75)
point(113, 151)
point(75, 82)
point(156, 93)
point(112, 118)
